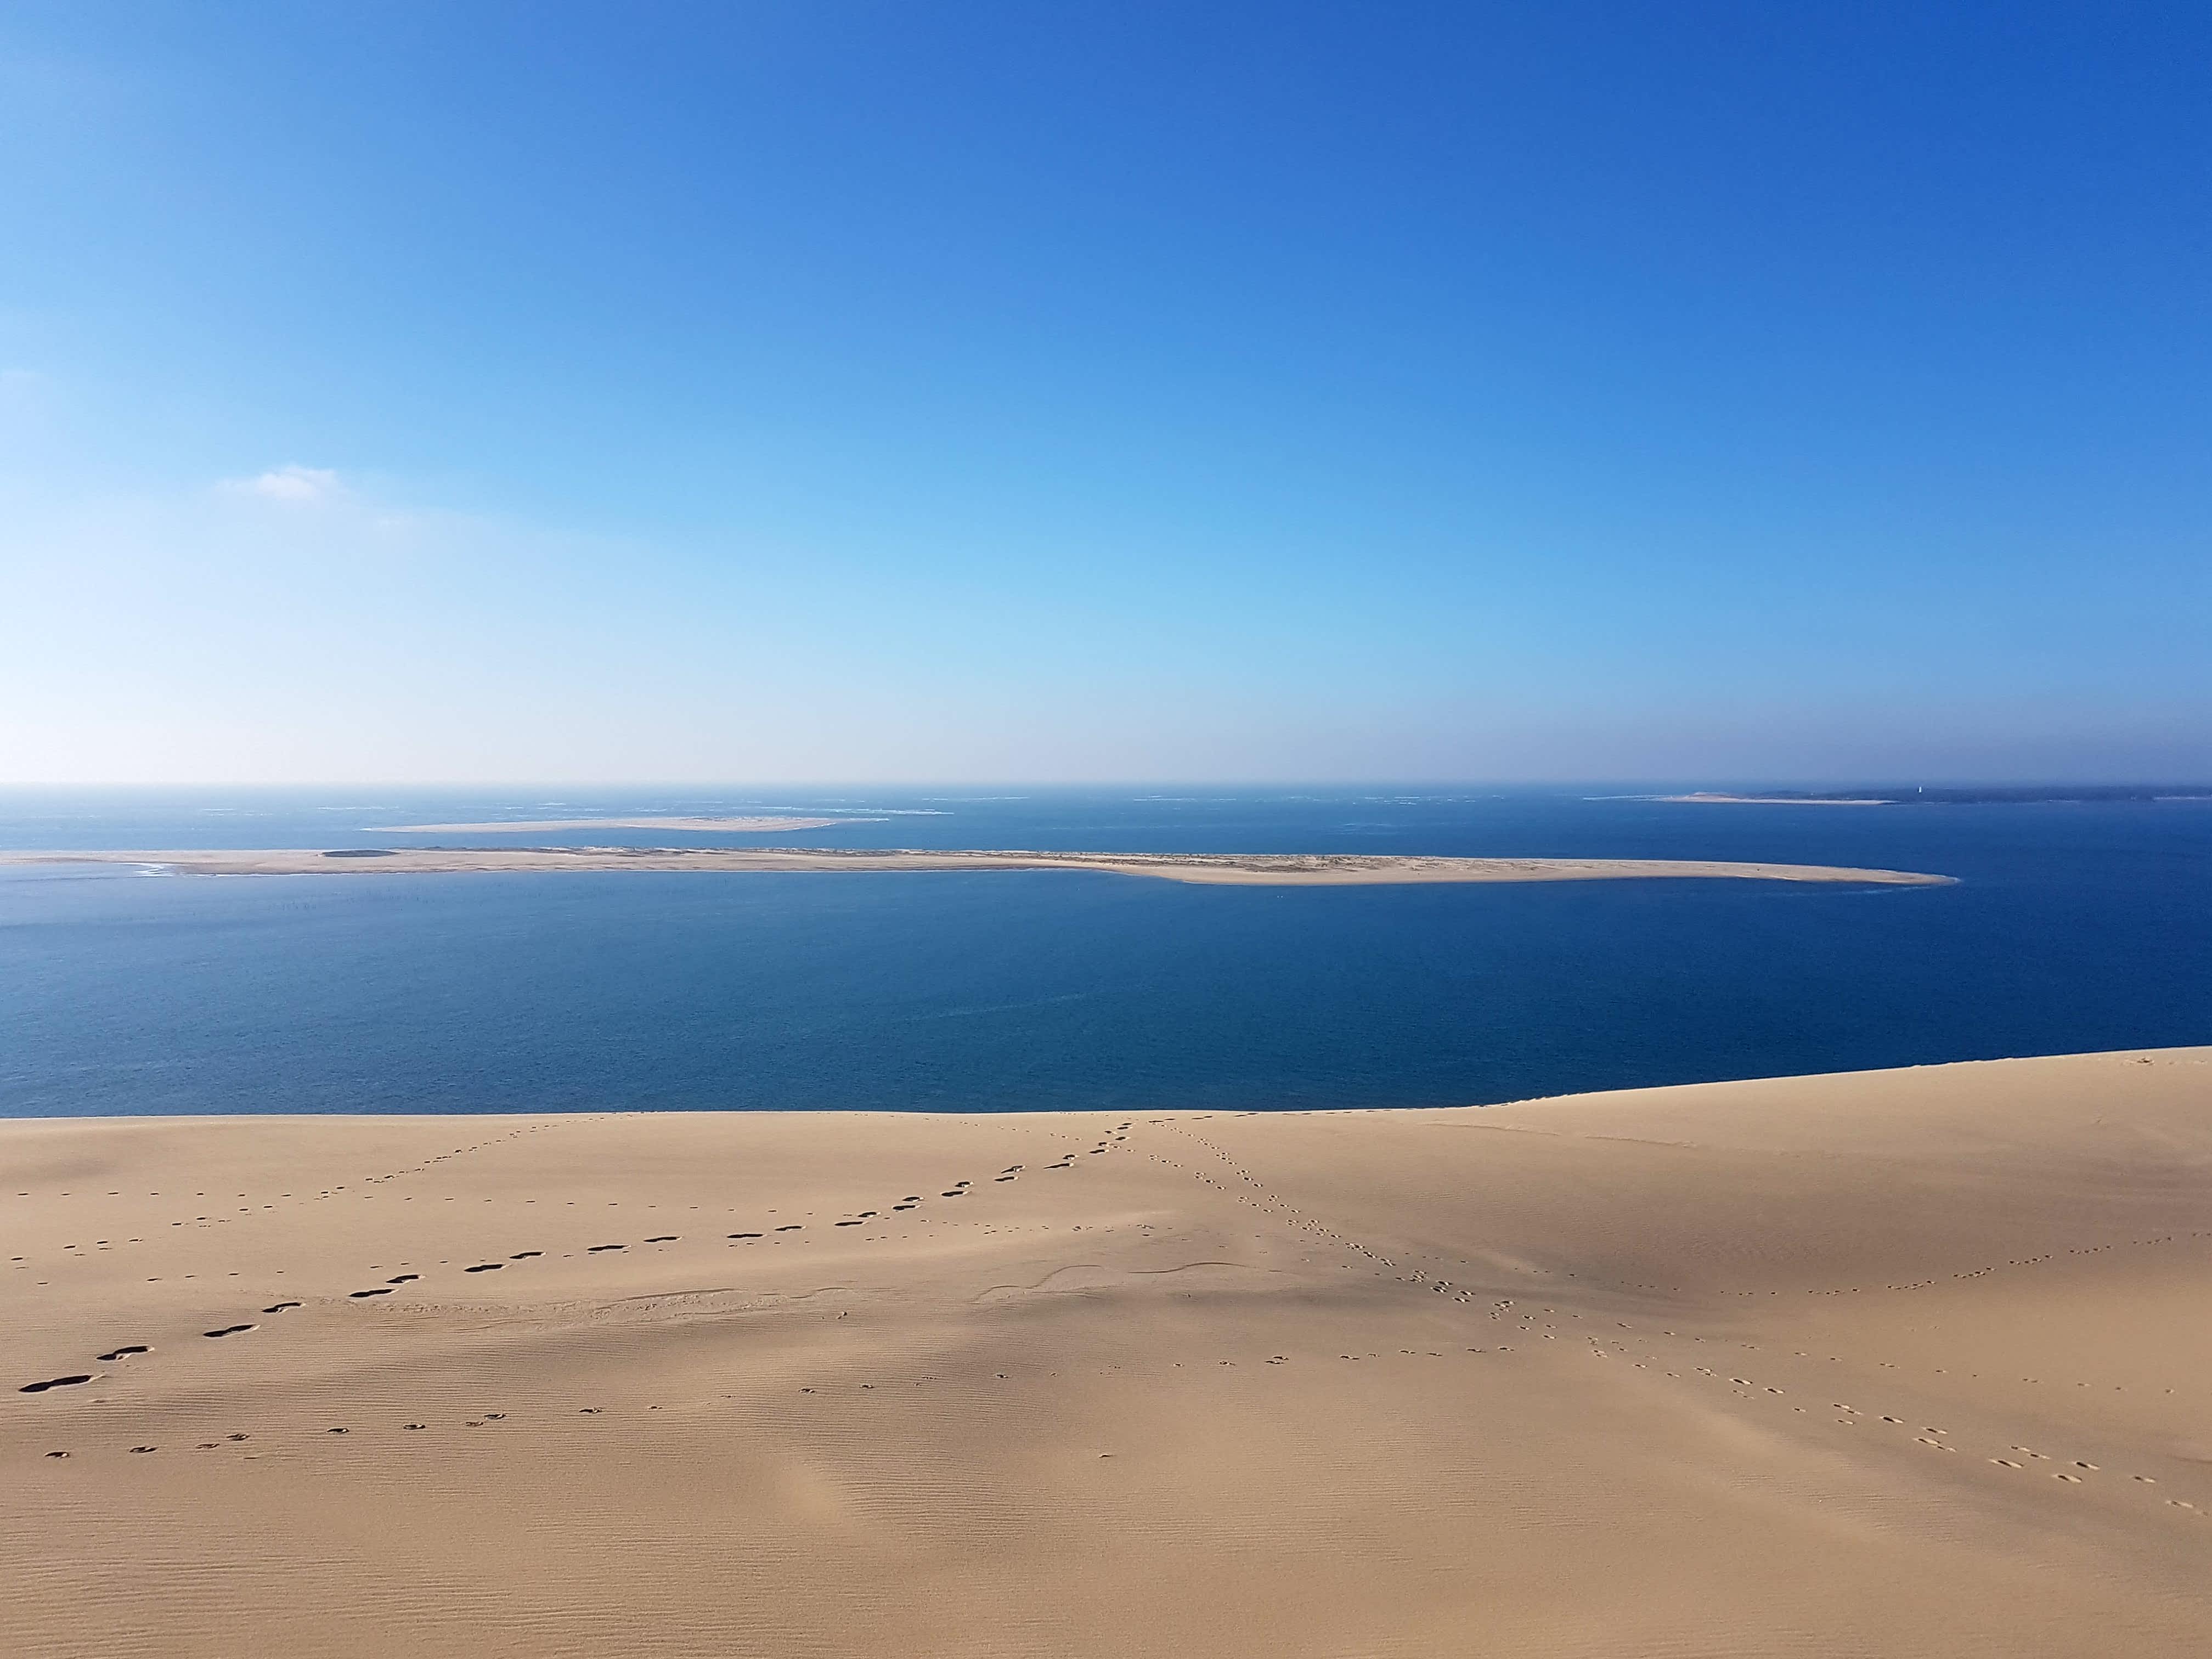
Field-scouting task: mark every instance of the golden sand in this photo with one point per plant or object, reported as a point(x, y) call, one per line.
point(1907, 1362)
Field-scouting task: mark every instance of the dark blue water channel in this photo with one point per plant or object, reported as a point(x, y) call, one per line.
point(2072, 927)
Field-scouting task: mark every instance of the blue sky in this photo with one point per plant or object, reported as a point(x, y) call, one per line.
point(826, 391)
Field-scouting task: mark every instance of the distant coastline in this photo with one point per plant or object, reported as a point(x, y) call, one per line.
point(1218, 869)
point(1946, 795)
point(1702, 797)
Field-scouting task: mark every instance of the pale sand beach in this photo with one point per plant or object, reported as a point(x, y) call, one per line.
point(554, 826)
point(1903, 1363)
point(1213, 869)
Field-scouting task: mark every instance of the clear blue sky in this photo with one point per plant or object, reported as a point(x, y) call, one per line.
point(469, 392)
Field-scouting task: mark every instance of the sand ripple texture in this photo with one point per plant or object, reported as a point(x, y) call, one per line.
point(1904, 1362)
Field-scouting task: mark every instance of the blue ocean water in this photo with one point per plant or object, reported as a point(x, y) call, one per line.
point(2073, 927)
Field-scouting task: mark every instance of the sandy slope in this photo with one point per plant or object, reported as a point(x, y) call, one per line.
point(1905, 1362)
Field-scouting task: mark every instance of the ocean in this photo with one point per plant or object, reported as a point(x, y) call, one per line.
point(2072, 927)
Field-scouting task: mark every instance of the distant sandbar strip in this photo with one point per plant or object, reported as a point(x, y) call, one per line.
point(1704, 799)
point(1222, 869)
point(555, 826)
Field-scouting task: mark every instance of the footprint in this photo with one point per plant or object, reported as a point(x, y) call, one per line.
point(745, 1234)
point(596, 1249)
point(792, 1228)
point(238, 1437)
point(403, 1278)
point(664, 1238)
point(525, 1255)
point(381, 1289)
point(281, 1306)
point(227, 1330)
point(55, 1382)
point(57, 1454)
point(848, 1223)
point(954, 1193)
point(145, 1449)
point(336, 1431)
point(114, 1354)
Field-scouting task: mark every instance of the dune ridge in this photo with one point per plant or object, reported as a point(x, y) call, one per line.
point(1904, 1362)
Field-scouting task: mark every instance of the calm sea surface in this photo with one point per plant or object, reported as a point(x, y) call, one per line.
point(2073, 927)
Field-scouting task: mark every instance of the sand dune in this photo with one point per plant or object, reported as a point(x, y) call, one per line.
point(1908, 1363)
point(1215, 869)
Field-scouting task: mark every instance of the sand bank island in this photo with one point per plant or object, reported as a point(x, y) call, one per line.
point(1901, 1363)
point(555, 826)
point(1268, 870)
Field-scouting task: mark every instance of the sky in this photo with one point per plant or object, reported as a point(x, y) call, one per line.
point(450, 392)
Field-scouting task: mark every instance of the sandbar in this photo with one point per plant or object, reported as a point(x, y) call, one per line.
point(554, 826)
point(1909, 1363)
point(1706, 798)
point(1218, 869)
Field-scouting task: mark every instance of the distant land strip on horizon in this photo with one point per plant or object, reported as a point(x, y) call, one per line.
point(1946, 795)
point(1222, 869)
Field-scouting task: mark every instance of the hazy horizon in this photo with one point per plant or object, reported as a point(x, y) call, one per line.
point(758, 789)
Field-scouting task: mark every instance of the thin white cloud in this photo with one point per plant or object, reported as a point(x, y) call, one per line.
point(296, 485)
